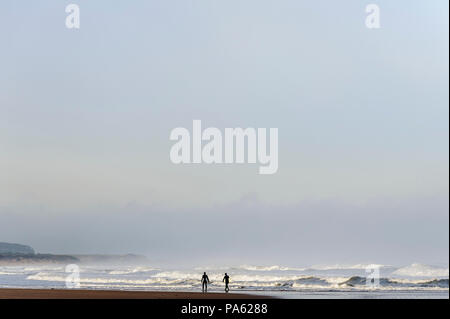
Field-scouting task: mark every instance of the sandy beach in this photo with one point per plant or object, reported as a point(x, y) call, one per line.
point(7, 293)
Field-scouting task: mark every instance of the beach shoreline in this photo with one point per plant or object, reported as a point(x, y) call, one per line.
point(26, 293)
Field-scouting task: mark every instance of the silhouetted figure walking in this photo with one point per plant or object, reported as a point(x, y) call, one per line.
point(205, 282)
point(226, 279)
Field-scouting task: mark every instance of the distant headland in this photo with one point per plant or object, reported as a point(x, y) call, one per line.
point(12, 253)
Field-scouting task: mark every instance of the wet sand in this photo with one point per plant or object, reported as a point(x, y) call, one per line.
point(7, 293)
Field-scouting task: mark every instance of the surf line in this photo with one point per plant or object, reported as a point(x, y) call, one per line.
point(230, 149)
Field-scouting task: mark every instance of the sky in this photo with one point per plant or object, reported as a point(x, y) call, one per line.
point(362, 115)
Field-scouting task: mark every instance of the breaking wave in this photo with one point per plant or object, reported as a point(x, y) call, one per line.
point(419, 270)
point(132, 271)
point(174, 280)
point(244, 277)
point(389, 282)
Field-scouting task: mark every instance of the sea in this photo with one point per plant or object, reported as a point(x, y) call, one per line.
point(319, 281)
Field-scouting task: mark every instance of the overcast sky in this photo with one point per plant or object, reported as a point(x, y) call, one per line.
point(85, 118)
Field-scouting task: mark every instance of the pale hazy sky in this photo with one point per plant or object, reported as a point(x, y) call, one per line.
point(85, 117)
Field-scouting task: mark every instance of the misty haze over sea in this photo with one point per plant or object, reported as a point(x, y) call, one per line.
point(362, 122)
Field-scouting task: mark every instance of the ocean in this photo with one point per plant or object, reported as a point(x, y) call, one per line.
point(332, 281)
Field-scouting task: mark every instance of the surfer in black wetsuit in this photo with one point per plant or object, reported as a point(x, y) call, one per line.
point(226, 279)
point(205, 282)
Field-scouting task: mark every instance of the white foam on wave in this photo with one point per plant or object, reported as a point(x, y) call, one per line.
point(269, 268)
point(249, 268)
point(345, 267)
point(218, 277)
point(42, 276)
point(420, 270)
point(58, 268)
point(245, 277)
point(132, 270)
